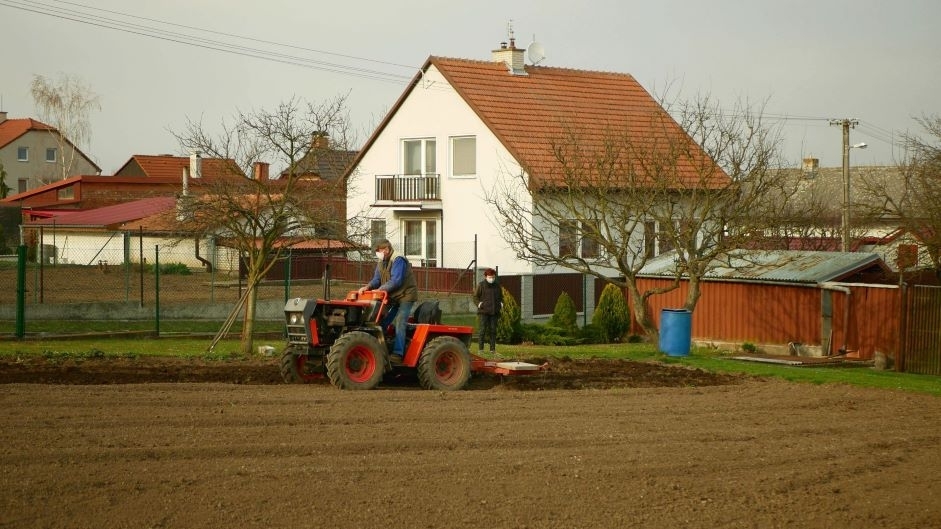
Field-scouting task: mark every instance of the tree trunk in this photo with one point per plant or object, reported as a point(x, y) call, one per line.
point(248, 320)
point(642, 314)
point(693, 294)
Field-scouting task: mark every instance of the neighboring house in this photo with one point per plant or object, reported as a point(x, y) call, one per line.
point(322, 162)
point(142, 176)
point(106, 235)
point(463, 126)
point(32, 154)
point(816, 195)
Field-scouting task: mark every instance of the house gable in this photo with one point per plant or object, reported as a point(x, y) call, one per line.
point(513, 117)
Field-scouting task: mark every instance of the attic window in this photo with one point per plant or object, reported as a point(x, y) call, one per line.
point(22, 154)
point(66, 193)
point(51, 154)
point(464, 156)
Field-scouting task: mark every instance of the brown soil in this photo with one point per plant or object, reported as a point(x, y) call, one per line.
point(137, 443)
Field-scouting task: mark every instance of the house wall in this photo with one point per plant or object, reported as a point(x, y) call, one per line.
point(780, 314)
point(434, 109)
point(37, 168)
point(78, 247)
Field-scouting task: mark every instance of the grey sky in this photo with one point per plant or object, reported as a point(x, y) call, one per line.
point(811, 60)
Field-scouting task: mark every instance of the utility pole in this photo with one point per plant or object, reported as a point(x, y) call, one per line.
point(846, 124)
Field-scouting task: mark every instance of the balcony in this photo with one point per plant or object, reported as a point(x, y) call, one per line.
point(408, 188)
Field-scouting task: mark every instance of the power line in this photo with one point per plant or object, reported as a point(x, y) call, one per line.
point(206, 43)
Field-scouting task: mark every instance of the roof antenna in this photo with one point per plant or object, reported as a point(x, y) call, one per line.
point(509, 33)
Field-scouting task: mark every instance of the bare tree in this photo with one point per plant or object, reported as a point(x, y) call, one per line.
point(913, 196)
point(697, 186)
point(65, 103)
point(261, 217)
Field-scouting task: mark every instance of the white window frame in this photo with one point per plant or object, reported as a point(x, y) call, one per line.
point(378, 230)
point(54, 152)
point(22, 154)
point(428, 164)
point(454, 150)
point(428, 248)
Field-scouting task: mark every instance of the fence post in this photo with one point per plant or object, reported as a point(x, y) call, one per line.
point(140, 245)
point(42, 262)
point(127, 266)
point(903, 328)
point(157, 288)
point(21, 291)
point(287, 277)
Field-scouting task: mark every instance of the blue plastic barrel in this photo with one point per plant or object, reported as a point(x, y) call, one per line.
point(675, 331)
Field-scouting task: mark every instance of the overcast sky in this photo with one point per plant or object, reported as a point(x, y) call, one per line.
point(811, 60)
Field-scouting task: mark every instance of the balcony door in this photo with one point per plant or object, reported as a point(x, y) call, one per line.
point(419, 157)
point(421, 241)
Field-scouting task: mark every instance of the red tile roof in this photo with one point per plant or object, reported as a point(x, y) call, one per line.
point(529, 113)
point(12, 129)
point(109, 216)
point(166, 166)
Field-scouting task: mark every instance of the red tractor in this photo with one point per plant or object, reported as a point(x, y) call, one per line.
point(346, 341)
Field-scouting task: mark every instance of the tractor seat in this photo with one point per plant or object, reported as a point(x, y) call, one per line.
point(427, 312)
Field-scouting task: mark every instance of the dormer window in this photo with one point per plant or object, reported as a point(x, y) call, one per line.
point(66, 193)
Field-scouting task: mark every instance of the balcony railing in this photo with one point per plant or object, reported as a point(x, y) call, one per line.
point(408, 188)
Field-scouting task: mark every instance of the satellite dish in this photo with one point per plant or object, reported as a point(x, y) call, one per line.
point(536, 53)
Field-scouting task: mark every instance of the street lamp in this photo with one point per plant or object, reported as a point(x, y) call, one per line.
point(845, 224)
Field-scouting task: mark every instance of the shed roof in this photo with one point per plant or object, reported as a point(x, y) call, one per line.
point(108, 216)
point(777, 266)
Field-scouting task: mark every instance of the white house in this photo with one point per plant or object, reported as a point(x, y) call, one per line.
point(459, 128)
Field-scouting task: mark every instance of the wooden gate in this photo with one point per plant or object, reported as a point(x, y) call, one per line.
point(921, 331)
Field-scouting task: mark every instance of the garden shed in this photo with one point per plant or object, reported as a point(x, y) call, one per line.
point(803, 302)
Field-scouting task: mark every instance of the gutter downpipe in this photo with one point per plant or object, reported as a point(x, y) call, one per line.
point(828, 285)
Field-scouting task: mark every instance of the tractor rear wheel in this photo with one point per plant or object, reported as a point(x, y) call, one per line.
point(444, 364)
point(356, 361)
point(298, 368)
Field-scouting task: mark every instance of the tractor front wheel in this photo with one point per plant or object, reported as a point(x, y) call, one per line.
point(297, 368)
point(444, 364)
point(355, 361)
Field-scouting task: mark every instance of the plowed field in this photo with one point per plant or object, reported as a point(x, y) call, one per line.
point(159, 443)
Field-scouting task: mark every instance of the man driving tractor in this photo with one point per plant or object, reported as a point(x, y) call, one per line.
point(394, 276)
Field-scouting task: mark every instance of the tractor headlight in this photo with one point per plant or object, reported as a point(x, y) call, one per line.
point(296, 318)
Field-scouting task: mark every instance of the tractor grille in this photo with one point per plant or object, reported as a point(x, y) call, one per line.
point(297, 334)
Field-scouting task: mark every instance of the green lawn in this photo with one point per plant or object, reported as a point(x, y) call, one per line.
point(702, 358)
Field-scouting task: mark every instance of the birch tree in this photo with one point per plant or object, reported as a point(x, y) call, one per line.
point(65, 103)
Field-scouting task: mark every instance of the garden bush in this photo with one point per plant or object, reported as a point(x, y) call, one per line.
point(509, 325)
point(612, 315)
point(565, 317)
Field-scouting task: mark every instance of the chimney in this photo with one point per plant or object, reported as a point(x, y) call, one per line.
point(809, 167)
point(511, 56)
point(319, 140)
point(196, 166)
point(260, 171)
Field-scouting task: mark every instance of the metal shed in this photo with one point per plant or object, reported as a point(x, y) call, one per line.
point(825, 303)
